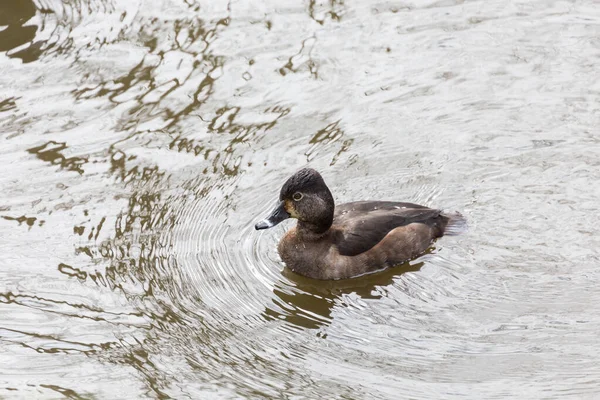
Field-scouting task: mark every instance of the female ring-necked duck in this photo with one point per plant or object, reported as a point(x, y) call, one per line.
point(351, 239)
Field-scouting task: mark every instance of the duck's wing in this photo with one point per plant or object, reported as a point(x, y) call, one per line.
point(360, 226)
point(364, 206)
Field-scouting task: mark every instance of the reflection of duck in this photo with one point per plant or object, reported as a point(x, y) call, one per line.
point(352, 239)
point(307, 303)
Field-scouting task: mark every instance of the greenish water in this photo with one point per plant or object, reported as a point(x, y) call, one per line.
point(142, 140)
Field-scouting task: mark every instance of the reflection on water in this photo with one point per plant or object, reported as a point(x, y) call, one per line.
point(13, 17)
point(142, 140)
point(50, 152)
point(309, 303)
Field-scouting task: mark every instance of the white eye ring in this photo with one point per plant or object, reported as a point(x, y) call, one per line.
point(297, 196)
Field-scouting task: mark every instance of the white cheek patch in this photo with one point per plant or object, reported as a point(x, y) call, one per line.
point(267, 223)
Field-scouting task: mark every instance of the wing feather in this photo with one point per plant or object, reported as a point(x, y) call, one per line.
point(360, 226)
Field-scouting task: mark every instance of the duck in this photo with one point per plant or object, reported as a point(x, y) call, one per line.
point(332, 242)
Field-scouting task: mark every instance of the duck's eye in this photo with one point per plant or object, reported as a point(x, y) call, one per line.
point(297, 196)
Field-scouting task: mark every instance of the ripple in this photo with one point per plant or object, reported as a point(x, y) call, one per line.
point(145, 139)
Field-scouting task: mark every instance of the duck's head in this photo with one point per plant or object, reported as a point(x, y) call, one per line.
point(306, 197)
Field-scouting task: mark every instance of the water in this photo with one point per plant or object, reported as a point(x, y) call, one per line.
point(142, 140)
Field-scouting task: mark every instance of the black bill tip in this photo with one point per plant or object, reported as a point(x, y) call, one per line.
point(264, 224)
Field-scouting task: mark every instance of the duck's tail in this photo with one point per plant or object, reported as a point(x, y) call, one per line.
point(456, 224)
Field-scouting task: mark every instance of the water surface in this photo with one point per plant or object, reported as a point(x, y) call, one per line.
point(142, 140)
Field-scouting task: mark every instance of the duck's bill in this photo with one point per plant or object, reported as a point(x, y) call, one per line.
point(279, 214)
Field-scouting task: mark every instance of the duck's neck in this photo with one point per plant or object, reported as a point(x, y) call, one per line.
point(315, 230)
point(311, 232)
point(320, 222)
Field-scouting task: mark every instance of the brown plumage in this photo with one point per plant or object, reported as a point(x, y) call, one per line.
point(351, 239)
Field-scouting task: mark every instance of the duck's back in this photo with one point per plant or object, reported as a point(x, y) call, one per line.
point(362, 225)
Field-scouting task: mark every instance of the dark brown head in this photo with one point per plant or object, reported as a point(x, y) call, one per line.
point(306, 197)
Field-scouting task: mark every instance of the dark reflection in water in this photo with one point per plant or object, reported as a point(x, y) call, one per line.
point(51, 152)
point(23, 219)
point(308, 303)
point(138, 264)
point(14, 14)
point(142, 139)
point(322, 11)
point(186, 41)
point(323, 141)
point(8, 104)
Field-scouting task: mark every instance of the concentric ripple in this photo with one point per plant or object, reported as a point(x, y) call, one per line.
point(142, 140)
